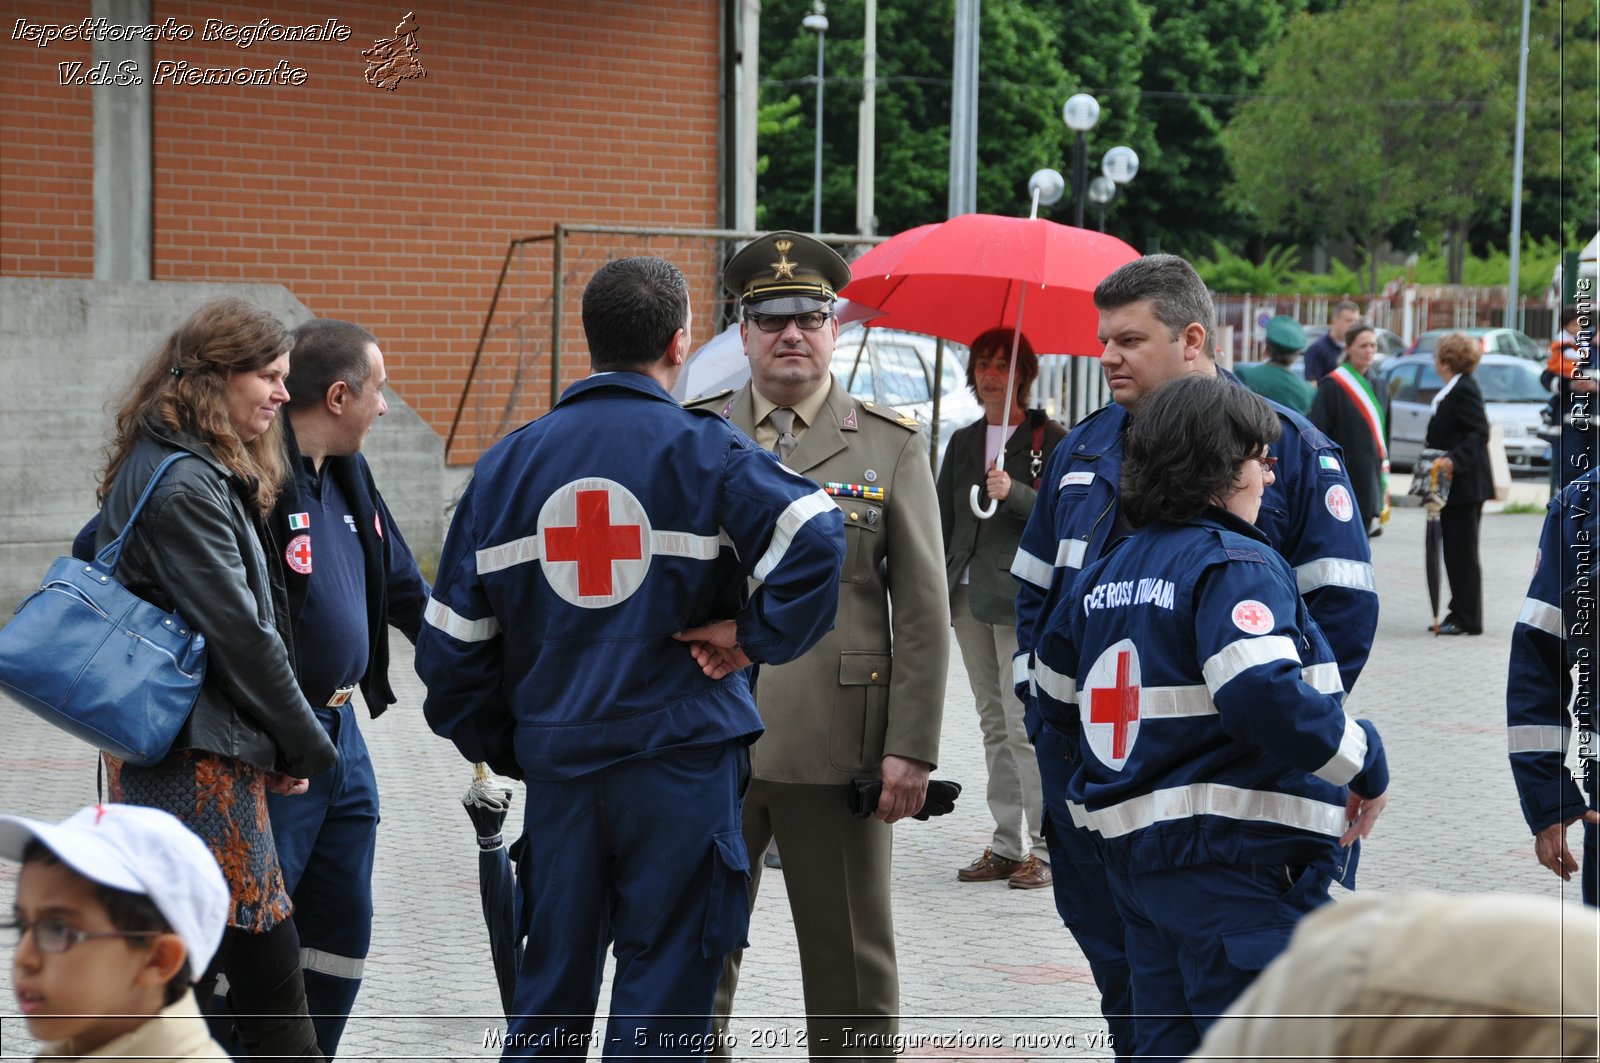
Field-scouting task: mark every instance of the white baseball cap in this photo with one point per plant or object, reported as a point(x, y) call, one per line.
point(140, 850)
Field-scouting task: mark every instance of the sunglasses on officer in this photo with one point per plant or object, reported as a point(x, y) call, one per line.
point(808, 322)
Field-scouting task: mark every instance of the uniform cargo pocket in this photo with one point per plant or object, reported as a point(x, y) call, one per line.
point(728, 898)
point(860, 712)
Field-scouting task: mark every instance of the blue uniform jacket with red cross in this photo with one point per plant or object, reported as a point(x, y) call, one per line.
point(1207, 704)
point(1308, 514)
point(585, 540)
point(1556, 635)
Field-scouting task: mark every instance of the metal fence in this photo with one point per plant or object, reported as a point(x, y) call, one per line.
point(1409, 312)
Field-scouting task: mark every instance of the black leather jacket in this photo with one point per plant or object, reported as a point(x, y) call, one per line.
point(198, 550)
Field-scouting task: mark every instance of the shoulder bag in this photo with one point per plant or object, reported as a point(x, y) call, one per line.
point(98, 661)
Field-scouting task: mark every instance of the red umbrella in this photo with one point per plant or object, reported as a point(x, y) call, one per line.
point(962, 277)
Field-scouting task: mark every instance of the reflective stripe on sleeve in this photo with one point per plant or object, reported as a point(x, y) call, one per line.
point(1061, 687)
point(1246, 653)
point(1334, 572)
point(1030, 569)
point(457, 626)
point(1543, 616)
point(1345, 764)
point(1211, 799)
point(1323, 678)
point(1538, 738)
point(1069, 554)
point(790, 521)
point(1019, 669)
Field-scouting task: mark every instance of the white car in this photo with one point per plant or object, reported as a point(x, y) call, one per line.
point(884, 366)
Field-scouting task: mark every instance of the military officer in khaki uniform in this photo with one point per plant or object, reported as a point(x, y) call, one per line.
point(867, 701)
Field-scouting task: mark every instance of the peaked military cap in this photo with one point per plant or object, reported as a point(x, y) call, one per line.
point(786, 273)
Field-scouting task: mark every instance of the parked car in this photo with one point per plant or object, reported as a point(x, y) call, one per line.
point(892, 368)
point(1494, 340)
point(1512, 397)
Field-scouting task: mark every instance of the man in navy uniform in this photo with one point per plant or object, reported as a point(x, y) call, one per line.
point(1555, 637)
point(349, 575)
point(1156, 323)
point(588, 578)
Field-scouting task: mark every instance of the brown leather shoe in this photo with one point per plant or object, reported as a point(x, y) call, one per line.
point(1031, 874)
point(988, 868)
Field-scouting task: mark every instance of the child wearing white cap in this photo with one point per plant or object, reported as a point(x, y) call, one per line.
point(117, 910)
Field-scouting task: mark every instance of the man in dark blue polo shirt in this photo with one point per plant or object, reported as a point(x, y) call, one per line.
point(349, 575)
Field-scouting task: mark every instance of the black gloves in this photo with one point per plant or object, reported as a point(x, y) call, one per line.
point(864, 794)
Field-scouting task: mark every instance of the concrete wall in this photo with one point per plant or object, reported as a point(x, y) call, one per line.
point(391, 207)
point(68, 348)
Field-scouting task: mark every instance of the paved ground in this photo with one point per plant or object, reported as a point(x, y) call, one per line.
point(986, 967)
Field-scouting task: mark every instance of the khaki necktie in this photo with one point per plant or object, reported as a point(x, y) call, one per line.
point(782, 419)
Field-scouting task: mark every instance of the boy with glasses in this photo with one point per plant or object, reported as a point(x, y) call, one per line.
point(117, 910)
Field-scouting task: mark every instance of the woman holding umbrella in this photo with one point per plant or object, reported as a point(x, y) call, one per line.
point(1003, 455)
point(1355, 413)
point(1460, 428)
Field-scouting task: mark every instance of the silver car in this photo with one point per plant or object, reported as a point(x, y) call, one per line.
point(1512, 397)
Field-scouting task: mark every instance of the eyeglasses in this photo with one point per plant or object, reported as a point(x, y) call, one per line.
point(1268, 462)
point(778, 322)
point(55, 937)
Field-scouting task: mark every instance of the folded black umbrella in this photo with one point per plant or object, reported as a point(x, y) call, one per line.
point(864, 794)
point(487, 804)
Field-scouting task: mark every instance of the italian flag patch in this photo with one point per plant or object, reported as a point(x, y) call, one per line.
point(302, 521)
point(1327, 461)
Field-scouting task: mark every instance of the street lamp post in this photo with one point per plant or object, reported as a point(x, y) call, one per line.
point(1102, 190)
point(1080, 112)
point(817, 23)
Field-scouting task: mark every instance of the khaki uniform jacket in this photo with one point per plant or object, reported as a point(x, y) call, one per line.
point(875, 684)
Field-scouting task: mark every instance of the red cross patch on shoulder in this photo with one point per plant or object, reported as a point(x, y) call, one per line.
point(298, 554)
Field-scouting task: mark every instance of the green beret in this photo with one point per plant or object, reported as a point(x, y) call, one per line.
point(1285, 332)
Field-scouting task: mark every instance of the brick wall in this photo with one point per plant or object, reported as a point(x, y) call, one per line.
point(391, 208)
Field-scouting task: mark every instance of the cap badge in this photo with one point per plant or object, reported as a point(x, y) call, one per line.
point(783, 269)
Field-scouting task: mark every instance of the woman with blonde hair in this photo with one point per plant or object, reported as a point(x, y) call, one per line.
point(1460, 428)
point(211, 392)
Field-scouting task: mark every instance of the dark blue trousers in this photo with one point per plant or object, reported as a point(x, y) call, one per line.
point(1197, 938)
point(326, 841)
point(648, 854)
point(1082, 891)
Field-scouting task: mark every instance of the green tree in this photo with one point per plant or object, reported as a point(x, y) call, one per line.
point(1202, 59)
point(1374, 114)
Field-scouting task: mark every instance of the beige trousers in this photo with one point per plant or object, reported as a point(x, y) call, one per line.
point(1013, 793)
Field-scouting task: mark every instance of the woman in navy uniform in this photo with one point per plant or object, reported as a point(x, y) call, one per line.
point(1218, 772)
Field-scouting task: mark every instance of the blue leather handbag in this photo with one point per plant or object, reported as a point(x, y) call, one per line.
point(98, 661)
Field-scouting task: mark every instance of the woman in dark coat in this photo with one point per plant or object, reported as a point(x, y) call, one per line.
point(983, 592)
point(1354, 413)
point(212, 391)
point(1460, 428)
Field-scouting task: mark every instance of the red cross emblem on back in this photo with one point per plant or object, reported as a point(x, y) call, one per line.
point(1112, 686)
point(595, 542)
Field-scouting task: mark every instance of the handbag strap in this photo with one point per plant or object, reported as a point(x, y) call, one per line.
point(111, 555)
